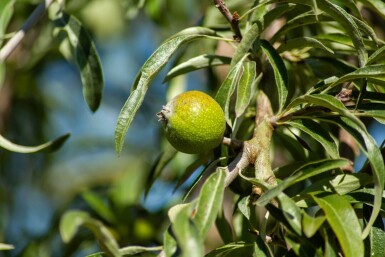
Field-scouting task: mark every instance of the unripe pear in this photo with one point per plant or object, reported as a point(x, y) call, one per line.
point(194, 122)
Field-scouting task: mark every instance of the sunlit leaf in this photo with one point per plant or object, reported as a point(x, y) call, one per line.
point(85, 55)
point(245, 45)
point(228, 87)
point(46, 147)
point(376, 5)
point(280, 73)
point(233, 249)
point(346, 183)
point(146, 75)
point(6, 12)
point(209, 202)
point(291, 212)
point(133, 250)
point(186, 233)
point(304, 172)
point(196, 63)
point(371, 71)
point(5, 247)
point(310, 225)
point(246, 88)
point(344, 222)
point(73, 220)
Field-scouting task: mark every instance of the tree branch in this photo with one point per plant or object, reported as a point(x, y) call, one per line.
point(11, 45)
point(233, 19)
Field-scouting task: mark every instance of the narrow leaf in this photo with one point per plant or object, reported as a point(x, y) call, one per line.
point(228, 87)
point(4, 247)
point(344, 222)
point(146, 75)
point(186, 233)
point(302, 42)
point(196, 63)
point(316, 131)
point(311, 225)
point(376, 5)
point(304, 172)
point(291, 212)
point(46, 147)
point(280, 72)
point(72, 220)
point(371, 71)
point(133, 250)
point(6, 12)
point(246, 44)
point(86, 57)
point(247, 87)
point(209, 202)
point(369, 148)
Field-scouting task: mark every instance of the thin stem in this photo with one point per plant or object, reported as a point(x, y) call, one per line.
point(233, 19)
point(11, 45)
point(233, 143)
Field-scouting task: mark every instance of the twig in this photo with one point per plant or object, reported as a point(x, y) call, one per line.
point(233, 19)
point(233, 143)
point(11, 45)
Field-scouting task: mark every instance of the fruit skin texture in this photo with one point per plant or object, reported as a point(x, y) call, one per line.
point(194, 122)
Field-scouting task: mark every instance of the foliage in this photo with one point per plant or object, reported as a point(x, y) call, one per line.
point(302, 83)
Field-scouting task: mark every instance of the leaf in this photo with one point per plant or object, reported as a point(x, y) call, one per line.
point(304, 172)
point(246, 88)
point(244, 206)
point(5, 247)
point(302, 42)
point(209, 202)
point(146, 75)
point(310, 225)
point(186, 233)
point(291, 212)
point(316, 131)
point(6, 12)
point(245, 45)
point(376, 5)
point(227, 88)
point(196, 63)
point(369, 147)
point(73, 220)
point(280, 72)
point(371, 71)
point(133, 250)
point(346, 183)
point(232, 249)
point(84, 54)
point(50, 146)
point(342, 17)
point(376, 56)
point(344, 223)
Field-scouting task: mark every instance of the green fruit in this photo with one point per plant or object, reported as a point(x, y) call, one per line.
point(194, 122)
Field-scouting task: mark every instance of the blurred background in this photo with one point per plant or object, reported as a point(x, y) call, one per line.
point(41, 99)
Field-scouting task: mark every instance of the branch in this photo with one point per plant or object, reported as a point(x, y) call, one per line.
point(11, 45)
point(239, 163)
point(233, 19)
